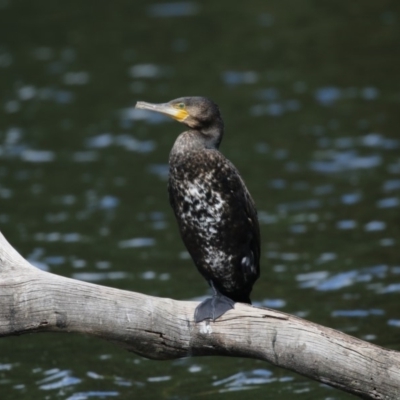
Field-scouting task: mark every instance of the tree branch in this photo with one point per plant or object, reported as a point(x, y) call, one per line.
point(35, 301)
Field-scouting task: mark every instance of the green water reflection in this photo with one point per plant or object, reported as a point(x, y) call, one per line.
point(310, 96)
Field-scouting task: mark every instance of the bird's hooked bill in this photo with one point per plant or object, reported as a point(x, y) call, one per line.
point(164, 108)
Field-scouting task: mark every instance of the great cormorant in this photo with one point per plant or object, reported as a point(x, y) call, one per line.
point(216, 215)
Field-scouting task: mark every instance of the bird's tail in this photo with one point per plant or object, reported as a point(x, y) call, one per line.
point(241, 299)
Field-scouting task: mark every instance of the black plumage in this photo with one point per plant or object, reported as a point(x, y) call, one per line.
point(216, 215)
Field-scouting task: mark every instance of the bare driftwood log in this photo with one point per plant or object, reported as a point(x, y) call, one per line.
point(35, 301)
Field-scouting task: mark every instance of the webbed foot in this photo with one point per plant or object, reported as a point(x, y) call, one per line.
point(213, 308)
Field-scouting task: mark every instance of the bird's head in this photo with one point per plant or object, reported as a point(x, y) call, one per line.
point(199, 113)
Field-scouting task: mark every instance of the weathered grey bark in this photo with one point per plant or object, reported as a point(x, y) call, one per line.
point(35, 301)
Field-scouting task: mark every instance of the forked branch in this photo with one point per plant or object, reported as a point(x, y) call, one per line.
point(35, 301)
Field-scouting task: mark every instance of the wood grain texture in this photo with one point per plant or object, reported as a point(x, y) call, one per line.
point(35, 301)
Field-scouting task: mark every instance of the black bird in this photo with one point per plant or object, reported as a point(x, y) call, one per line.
point(216, 215)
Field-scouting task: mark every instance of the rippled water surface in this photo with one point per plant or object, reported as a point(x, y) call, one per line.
point(310, 95)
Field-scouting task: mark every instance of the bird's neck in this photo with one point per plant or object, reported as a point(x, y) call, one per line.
point(194, 141)
point(212, 133)
point(198, 138)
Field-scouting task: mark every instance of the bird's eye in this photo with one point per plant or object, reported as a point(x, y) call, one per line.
point(181, 106)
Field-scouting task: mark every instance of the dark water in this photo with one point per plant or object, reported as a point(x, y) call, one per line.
point(310, 94)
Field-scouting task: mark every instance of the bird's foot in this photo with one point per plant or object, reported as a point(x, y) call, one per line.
point(213, 308)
